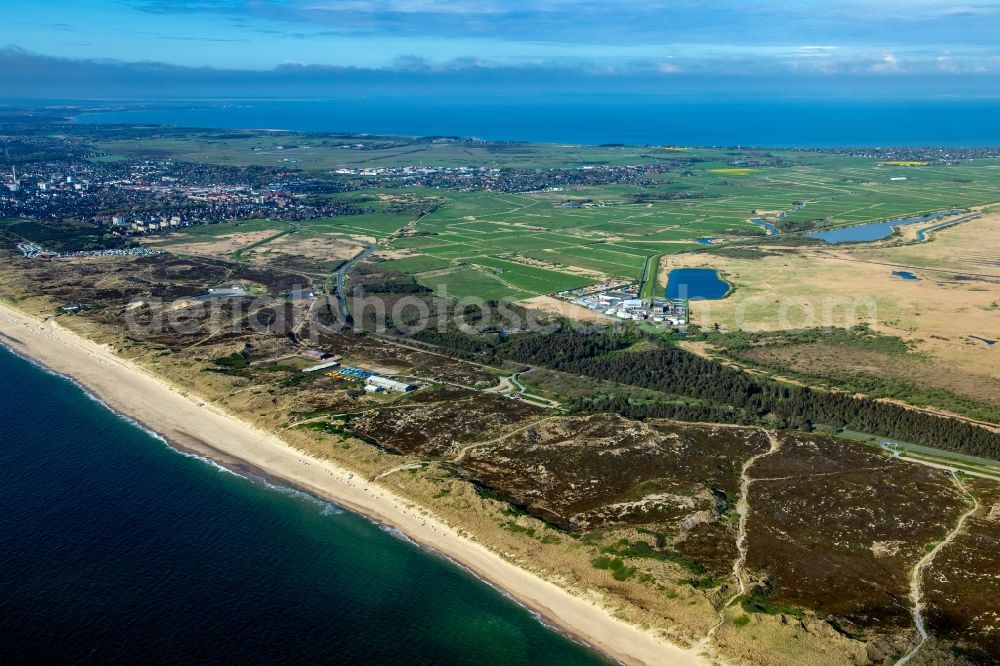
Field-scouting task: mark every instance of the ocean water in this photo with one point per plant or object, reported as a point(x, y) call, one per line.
point(590, 119)
point(115, 548)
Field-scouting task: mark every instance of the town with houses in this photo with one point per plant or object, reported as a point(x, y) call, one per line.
point(148, 197)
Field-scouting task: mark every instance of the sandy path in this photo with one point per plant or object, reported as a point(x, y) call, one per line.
point(195, 424)
point(743, 511)
point(464, 451)
point(917, 575)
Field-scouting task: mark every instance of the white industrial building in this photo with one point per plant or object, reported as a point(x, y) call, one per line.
point(387, 384)
point(321, 366)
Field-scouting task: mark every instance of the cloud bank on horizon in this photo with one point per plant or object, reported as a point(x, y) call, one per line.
point(704, 41)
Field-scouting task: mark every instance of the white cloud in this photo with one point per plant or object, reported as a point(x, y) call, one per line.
point(947, 64)
point(889, 64)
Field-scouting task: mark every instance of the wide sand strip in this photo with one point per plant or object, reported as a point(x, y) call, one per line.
point(196, 424)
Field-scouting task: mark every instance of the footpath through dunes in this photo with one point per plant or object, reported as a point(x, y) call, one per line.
point(917, 575)
point(199, 425)
point(743, 511)
point(604, 471)
point(837, 528)
point(961, 586)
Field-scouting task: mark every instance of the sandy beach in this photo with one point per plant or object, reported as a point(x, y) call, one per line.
point(194, 424)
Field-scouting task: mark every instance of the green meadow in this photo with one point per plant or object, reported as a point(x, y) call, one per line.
point(519, 245)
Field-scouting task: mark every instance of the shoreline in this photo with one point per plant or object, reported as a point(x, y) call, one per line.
point(153, 404)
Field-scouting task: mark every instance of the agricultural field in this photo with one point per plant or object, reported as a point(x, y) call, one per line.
point(370, 227)
point(471, 282)
point(610, 231)
point(525, 243)
point(306, 252)
point(537, 246)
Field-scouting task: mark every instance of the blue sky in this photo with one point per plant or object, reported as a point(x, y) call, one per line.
point(709, 39)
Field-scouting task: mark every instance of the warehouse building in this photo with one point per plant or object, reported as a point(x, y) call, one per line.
point(321, 366)
point(387, 384)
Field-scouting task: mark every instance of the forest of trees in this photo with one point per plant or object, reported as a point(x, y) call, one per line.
point(718, 393)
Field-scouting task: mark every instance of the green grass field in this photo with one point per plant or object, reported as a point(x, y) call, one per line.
point(470, 282)
point(210, 232)
point(530, 278)
point(615, 237)
point(375, 224)
point(582, 233)
point(416, 264)
point(650, 283)
point(504, 232)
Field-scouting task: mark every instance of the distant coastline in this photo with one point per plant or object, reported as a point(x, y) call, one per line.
point(592, 120)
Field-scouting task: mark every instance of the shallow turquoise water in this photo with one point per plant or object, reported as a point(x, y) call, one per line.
point(115, 548)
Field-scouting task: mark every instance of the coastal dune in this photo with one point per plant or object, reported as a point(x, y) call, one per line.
point(195, 424)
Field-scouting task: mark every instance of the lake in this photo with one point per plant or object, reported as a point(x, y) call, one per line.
point(873, 231)
point(696, 284)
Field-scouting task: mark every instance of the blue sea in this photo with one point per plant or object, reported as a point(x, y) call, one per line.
point(590, 119)
point(114, 548)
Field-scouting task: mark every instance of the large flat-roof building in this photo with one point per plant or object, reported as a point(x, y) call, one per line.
point(321, 366)
point(387, 384)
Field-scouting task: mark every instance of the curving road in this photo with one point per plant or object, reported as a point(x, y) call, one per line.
point(341, 274)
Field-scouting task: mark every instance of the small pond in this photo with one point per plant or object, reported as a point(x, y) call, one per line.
point(696, 284)
point(906, 275)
